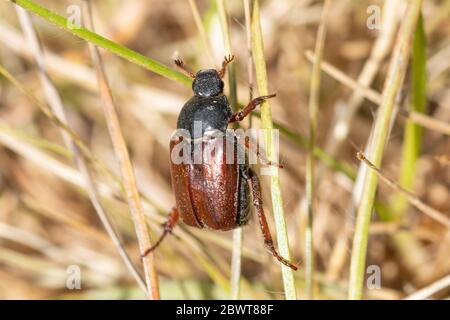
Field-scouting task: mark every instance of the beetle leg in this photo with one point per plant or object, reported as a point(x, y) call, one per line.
point(168, 226)
point(260, 155)
point(180, 64)
point(257, 202)
point(240, 115)
point(225, 62)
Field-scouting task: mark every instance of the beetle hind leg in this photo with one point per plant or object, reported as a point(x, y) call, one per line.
point(168, 227)
point(257, 202)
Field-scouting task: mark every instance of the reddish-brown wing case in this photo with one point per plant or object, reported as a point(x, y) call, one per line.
point(207, 194)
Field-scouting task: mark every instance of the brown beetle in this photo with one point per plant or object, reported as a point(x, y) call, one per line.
point(214, 192)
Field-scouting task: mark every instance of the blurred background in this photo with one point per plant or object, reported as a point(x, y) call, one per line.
point(48, 225)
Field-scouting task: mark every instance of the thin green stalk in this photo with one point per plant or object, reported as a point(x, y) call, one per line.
point(410, 249)
point(310, 161)
point(100, 41)
point(413, 132)
point(392, 87)
point(266, 120)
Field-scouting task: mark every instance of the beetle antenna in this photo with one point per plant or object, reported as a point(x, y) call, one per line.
point(180, 64)
point(225, 62)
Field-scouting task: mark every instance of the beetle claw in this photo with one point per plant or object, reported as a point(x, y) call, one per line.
point(269, 246)
point(229, 58)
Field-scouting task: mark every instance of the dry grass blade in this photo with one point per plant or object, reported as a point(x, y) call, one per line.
point(428, 291)
point(426, 121)
point(375, 97)
point(201, 29)
point(55, 102)
point(314, 94)
point(381, 48)
point(121, 151)
point(59, 123)
point(412, 198)
point(380, 132)
point(236, 264)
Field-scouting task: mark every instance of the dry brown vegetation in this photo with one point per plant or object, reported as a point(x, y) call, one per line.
point(47, 221)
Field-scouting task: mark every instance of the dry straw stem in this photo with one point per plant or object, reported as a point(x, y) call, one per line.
point(55, 102)
point(375, 97)
point(409, 196)
point(126, 168)
point(314, 94)
point(428, 291)
point(380, 49)
point(394, 80)
point(266, 120)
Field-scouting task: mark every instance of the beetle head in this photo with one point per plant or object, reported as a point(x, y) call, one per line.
point(207, 83)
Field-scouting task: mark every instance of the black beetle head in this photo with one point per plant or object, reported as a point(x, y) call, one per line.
point(207, 83)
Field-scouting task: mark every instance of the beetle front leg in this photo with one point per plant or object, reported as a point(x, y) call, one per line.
point(168, 227)
point(258, 203)
point(239, 116)
point(180, 64)
point(225, 62)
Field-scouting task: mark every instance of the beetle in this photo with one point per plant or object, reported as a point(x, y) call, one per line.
point(214, 193)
